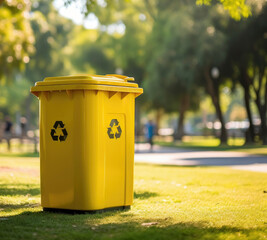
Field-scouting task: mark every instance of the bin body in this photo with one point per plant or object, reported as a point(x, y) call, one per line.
point(86, 142)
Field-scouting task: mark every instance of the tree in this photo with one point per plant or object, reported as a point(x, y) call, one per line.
point(246, 62)
point(210, 50)
point(188, 43)
point(92, 52)
point(258, 65)
point(16, 37)
point(170, 77)
point(52, 34)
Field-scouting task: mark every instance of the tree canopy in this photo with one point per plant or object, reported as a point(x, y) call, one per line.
point(16, 37)
point(172, 48)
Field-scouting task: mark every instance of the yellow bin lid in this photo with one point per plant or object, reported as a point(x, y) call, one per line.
point(109, 82)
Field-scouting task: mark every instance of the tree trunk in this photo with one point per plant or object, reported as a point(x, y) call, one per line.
point(158, 120)
point(138, 130)
point(264, 129)
point(213, 90)
point(223, 137)
point(250, 138)
point(262, 114)
point(246, 83)
point(184, 104)
point(264, 132)
point(262, 108)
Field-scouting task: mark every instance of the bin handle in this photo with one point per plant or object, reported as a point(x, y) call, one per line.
point(125, 78)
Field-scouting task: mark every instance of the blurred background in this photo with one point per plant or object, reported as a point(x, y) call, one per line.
point(202, 66)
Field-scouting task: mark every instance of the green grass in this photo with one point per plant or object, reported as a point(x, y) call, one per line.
point(17, 149)
point(213, 144)
point(170, 203)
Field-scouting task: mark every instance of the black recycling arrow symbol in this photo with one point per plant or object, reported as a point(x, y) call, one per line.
point(54, 137)
point(59, 124)
point(114, 122)
point(118, 134)
point(65, 134)
point(110, 134)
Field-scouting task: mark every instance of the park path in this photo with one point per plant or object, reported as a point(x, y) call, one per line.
point(185, 157)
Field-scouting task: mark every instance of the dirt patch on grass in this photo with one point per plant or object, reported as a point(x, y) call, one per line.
point(28, 171)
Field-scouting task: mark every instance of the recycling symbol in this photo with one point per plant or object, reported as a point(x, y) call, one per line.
point(114, 130)
point(58, 132)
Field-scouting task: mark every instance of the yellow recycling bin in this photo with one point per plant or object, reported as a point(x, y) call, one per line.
point(86, 141)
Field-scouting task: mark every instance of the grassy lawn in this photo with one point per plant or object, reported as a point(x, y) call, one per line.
point(18, 149)
point(170, 203)
point(213, 144)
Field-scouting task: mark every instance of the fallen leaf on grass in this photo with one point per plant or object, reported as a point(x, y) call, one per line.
point(149, 224)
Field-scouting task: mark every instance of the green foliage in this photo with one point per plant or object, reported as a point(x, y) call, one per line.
point(92, 52)
point(51, 32)
point(236, 8)
point(16, 37)
point(12, 96)
point(169, 44)
point(52, 36)
point(183, 44)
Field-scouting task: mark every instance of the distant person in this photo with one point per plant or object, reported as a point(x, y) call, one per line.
point(2, 123)
point(149, 133)
point(8, 131)
point(23, 124)
point(23, 127)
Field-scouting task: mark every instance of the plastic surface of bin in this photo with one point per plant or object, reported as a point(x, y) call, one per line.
point(86, 141)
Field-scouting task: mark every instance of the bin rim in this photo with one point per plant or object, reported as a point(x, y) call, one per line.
point(108, 79)
point(109, 83)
